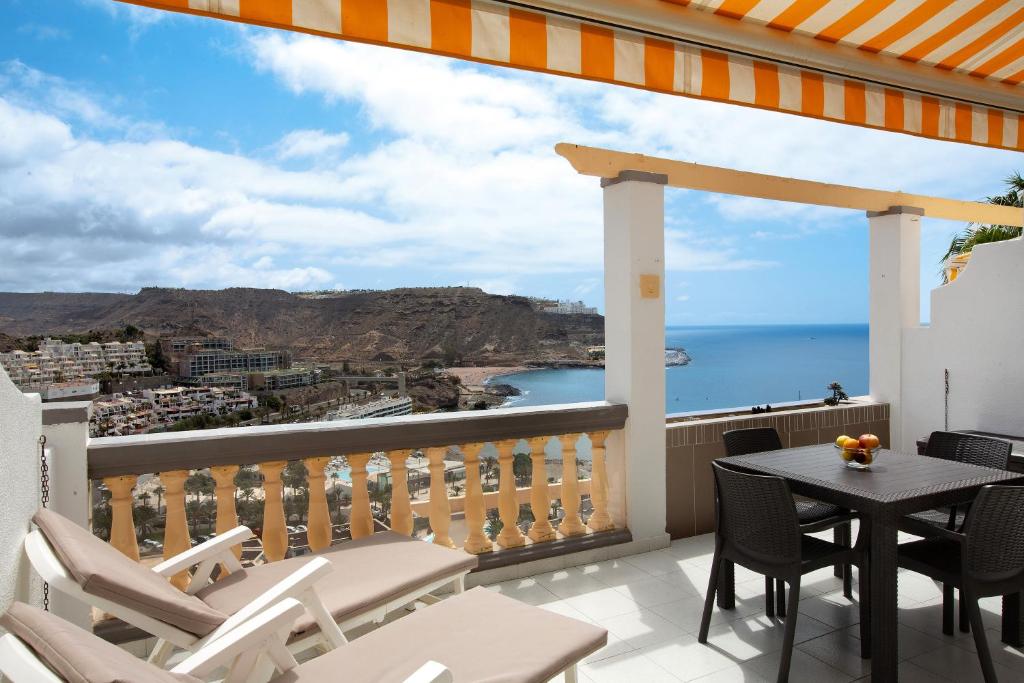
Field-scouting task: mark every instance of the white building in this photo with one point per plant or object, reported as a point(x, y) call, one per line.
point(384, 408)
point(57, 362)
point(570, 308)
point(178, 403)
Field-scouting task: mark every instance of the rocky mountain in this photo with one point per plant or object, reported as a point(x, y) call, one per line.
point(445, 323)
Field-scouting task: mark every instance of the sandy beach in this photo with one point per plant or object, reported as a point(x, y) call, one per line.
point(475, 377)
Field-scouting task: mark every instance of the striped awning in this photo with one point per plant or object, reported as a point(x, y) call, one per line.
point(943, 69)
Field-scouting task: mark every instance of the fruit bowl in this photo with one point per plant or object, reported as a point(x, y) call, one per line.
point(858, 454)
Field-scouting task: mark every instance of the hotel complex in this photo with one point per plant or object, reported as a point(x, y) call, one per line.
point(72, 364)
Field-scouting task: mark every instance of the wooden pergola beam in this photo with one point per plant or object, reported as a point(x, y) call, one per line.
point(606, 163)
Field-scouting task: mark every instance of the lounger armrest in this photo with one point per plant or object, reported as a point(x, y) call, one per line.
point(215, 548)
point(266, 634)
point(19, 664)
point(299, 585)
point(431, 672)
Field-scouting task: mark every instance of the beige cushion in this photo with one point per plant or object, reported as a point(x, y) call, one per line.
point(479, 636)
point(365, 574)
point(76, 655)
point(103, 571)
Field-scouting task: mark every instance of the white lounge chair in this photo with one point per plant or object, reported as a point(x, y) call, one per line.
point(370, 578)
point(452, 641)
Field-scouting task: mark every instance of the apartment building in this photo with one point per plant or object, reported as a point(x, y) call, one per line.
point(289, 378)
point(388, 407)
point(57, 362)
point(220, 361)
point(569, 308)
point(178, 403)
point(121, 415)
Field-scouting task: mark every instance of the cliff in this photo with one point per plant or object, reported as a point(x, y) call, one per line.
point(449, 324)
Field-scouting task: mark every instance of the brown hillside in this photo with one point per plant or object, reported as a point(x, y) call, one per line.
point(402, 324)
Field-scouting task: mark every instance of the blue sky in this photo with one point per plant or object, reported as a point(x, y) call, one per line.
point(143, 148)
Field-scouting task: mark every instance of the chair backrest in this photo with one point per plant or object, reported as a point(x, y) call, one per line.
point(102, 571)
point(969, 448)
point(994, 545)
point(756, 516)
point(73, 654)
point(756, 440)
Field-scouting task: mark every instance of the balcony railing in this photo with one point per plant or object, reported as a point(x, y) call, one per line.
point(119, 461)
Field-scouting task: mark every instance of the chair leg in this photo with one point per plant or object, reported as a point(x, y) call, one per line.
point(965, 621)
point(864, 590)
point(780, 598)
point(980, 641)
point(769, 597)
point(947, 609)
point(841, 536)
point(709, 599)
point(727, 585)
point(790, 634)
point(161, 653)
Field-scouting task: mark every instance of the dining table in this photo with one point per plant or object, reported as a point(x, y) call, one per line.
point(896, 484)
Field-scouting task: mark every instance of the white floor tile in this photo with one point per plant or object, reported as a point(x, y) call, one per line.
point(643, 628)
point(631, 666)
point(602, 604)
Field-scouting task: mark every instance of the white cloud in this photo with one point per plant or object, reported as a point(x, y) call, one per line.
point(459, 178)
point(305, 144)
point(43, 31)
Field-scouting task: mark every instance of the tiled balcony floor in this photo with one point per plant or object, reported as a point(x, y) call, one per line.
point(651, 605)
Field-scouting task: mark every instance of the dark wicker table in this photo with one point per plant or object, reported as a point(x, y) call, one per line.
point(897, 484)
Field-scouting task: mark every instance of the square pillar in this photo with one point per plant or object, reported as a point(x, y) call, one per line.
point(66, 428)
point(634, 272)
point(895, 305)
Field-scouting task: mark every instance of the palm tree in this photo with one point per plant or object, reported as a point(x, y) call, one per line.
point(159, 492)
point(975, 234)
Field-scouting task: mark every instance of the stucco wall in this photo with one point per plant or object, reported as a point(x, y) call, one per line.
point(20, 426)
point(977, 333)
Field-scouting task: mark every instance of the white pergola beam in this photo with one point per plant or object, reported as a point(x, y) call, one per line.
point(605, 163)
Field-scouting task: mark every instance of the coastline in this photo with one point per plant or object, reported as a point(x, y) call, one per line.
point(480, 377)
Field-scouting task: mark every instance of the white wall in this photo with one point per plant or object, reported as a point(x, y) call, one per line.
point(977, 332)
point(20, 427)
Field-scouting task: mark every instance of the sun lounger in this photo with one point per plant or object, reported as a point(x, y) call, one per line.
point(451, 641)
point(370, 578)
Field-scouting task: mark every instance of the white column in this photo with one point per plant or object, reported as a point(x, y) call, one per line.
point(20, 427)
point(66, 428)
point(634, 274)
point(895, 304)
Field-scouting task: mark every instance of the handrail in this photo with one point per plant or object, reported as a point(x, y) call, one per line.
point(170, 451)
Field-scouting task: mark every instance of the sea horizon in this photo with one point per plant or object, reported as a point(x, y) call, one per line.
point(731, 366)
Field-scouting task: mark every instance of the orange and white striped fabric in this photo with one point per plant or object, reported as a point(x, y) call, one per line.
point(983, 38)
point(494, 32)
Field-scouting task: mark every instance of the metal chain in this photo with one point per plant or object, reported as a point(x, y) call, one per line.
point(947, 400)
point(44, 484)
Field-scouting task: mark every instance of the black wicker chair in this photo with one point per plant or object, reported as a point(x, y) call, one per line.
point(814, 515)
point(986, 559)
point(969, 448)
point(756, 526)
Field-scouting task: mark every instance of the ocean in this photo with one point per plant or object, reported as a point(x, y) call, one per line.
point(731, 366)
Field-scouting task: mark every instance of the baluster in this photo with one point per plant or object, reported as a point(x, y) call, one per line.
point(540, 501)
point(476, 540)
point(176, 536)
point(227, 516)
point(318, 528)
point(361, 523)
point(122, 520)
point(571, 524)
point(440, 509)
point(275, 534)
point(508, 505)
point(600, 520)
point(401, 505)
